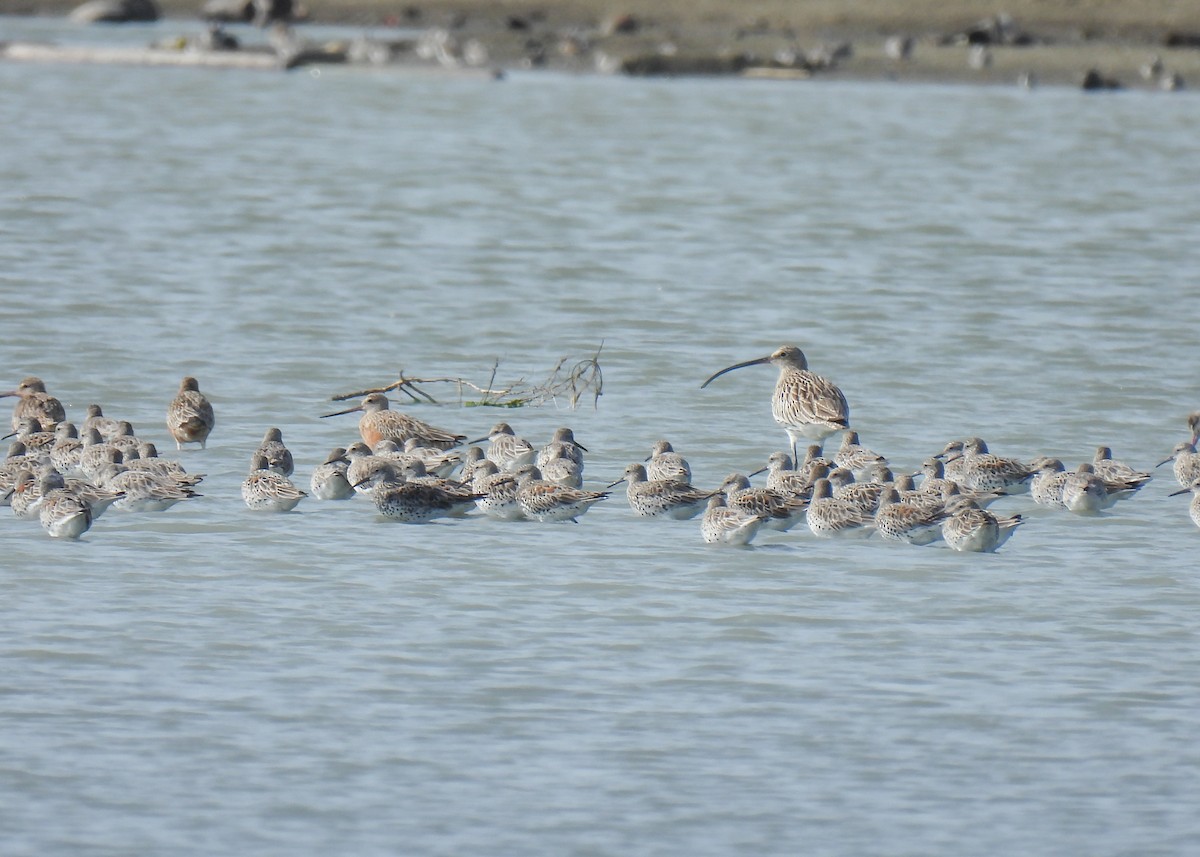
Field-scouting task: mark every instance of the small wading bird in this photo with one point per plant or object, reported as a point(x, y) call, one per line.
point(190, 415)
point(805, 404)
point(379, 422)
point(37, 403)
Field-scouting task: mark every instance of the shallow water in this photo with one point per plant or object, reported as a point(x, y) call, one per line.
point(960, 260)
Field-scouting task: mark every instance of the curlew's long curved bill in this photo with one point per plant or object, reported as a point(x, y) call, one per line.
point(339, 413)
point(757, 362)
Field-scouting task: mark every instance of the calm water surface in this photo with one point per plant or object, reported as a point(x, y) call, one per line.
point(960, 260)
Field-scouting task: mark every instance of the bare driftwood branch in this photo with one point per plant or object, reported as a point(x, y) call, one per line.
point(582, 378)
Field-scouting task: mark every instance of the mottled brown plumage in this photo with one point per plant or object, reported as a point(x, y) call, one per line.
point(805, 404)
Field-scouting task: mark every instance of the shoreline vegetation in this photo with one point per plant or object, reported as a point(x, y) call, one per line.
point(1096, 44)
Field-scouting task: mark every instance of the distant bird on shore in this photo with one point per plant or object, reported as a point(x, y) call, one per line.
point(805, 404)
point(190, 415)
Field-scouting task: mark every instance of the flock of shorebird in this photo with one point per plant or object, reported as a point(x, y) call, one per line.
point(65, 476)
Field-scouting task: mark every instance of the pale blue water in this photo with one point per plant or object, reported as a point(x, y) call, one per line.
point(960, 260)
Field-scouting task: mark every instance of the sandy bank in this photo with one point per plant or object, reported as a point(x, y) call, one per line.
point(907, 40)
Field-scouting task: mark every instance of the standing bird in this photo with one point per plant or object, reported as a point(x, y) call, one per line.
point(378, 423)
point(1187, 463)
point(279, 457)
point(780, 511)
point(1083, 492)
point(1193, 422)
point(661, 498)
point(508, 451)
point(411, 502)
point(562, 445)
point(544, 501)
point(970, 528)
point(37, 403)
point(665, 463)
point(832, 516)
point(329, 480)
point(562, 470)
point(190, 415)
point(63, 515)
point(785, 480)
point(1194, 508)
point(984, 471)
point(96, 419)
point(804, 404)
point(497, 492)
point(914, 523)
point(1117, 471)
point(1046, 486)
point(67, 449)
point(264, 490)
point(855, 457)
point(722, 525)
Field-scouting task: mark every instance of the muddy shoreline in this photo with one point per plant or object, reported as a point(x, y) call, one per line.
point(1152, 47)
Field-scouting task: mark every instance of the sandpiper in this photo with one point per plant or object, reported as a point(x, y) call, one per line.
point(971, 528)
point(865, 495)
point(562, 470)
point(782, 478)
point(983, 471)
point(265, 490)
point(329, 480)
point(96, 419)
point(497, 490)
point(1187, 463)
point(561, 446)
point(661, 498)
point(913, 523)
point(1083, 492)
point(37, 403)
point(1194, 507)
point(855, 457)
point(510, 452)
point(67, 449)
point(1046, 486)
point(411, 502)
point(279, 457)
point(780, 511)
point(190, 416)
point(830, 516)
point(63, 515)
point(31, 433)
point(665, 463)
point(722, 525)
point(378, 422)
point(1117, 471)
point(544, 501)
